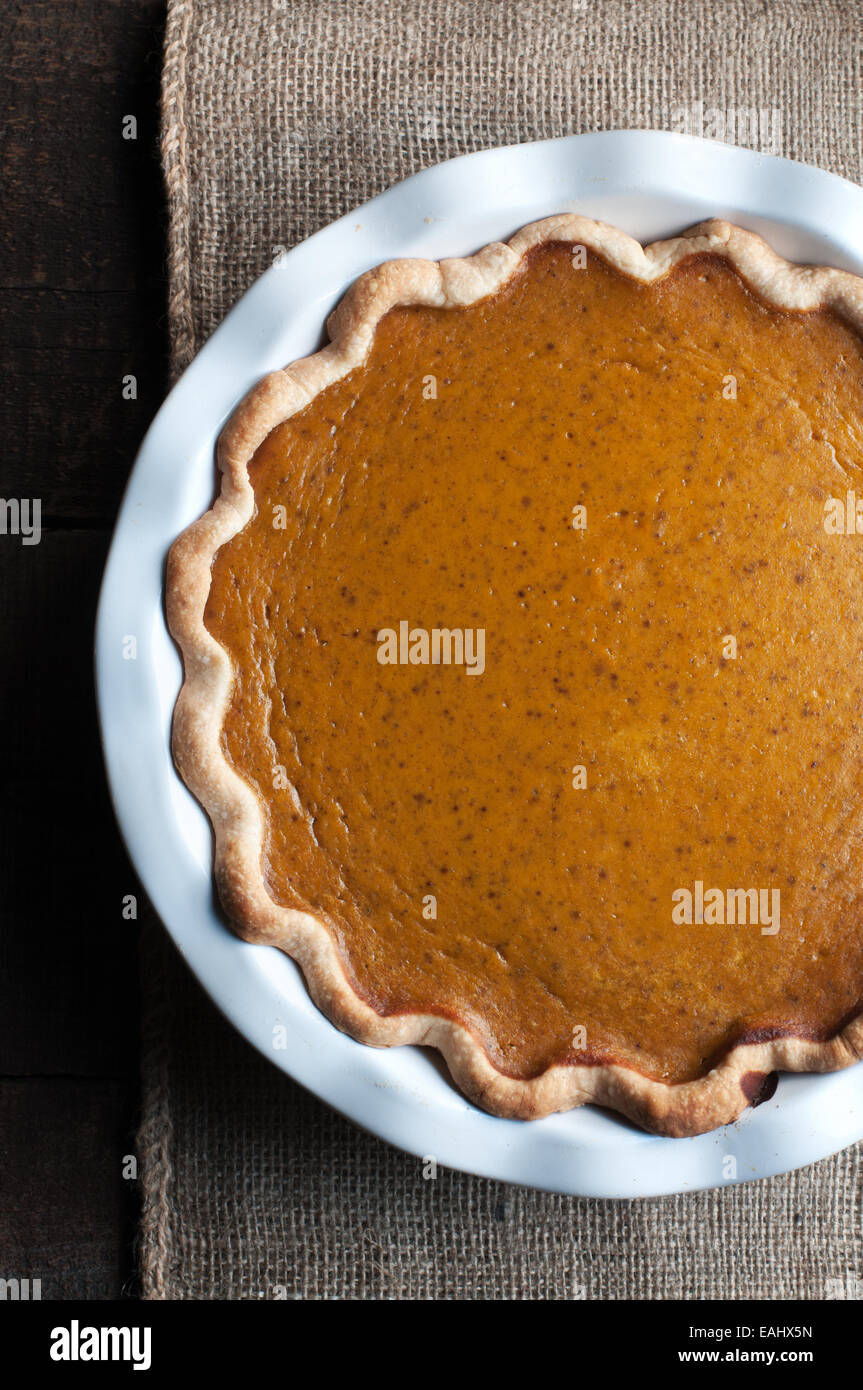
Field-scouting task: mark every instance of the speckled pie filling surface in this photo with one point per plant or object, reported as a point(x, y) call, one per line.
point(620, 492)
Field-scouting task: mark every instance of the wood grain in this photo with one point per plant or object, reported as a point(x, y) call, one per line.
point(66, 1211)
point(82, 305)
point(82, 279)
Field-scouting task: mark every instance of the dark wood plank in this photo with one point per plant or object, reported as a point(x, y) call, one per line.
point(82, 293)
point(67, 956)
point(82, 285)
point(66, 1212)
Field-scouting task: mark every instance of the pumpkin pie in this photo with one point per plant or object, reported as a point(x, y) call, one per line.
point(522, 668)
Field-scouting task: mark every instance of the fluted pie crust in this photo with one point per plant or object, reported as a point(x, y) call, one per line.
point(684, 1101)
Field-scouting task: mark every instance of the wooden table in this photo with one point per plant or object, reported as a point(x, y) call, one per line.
point(82, 305)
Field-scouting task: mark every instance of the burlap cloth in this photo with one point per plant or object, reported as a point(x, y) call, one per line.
point(280, 115)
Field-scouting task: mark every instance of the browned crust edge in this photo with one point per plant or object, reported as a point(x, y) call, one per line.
point(681, 1109)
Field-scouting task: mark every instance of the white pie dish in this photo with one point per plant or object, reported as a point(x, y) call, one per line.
point(652, 185)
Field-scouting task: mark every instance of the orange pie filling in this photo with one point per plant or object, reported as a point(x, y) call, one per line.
point(546, 666)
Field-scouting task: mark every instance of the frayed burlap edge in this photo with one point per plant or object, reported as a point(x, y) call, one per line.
point(154, 1139)
point(176, 170)
point(155, 1133)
